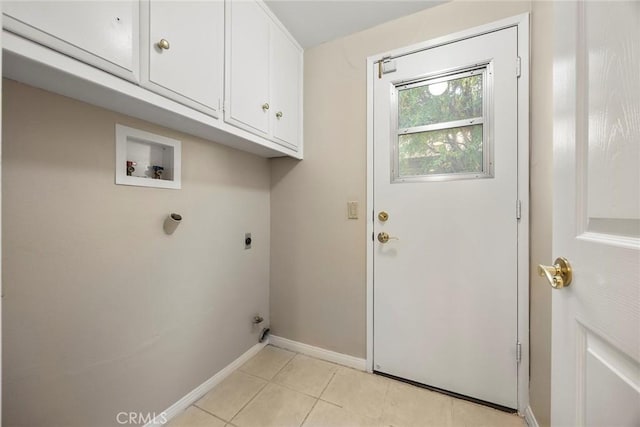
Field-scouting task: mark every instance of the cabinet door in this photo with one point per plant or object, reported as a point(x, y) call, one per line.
point(189, 67)
point(100, 33)
point(286, 79)
point(247, 76)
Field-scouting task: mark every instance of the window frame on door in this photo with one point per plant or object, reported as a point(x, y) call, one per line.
point(484, 68)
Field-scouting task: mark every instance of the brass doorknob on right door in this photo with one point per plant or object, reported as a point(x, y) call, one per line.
point(559, 274)
point(279, 115)
point(384, 237)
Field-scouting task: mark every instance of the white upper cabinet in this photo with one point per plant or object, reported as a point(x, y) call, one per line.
point(248, 42)
point(183, 51)
point(224, 70)
point(264, 73)
point(286, 73)
point(101, 33)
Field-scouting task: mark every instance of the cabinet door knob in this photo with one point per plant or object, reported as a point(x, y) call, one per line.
point(265, 106)
point(163, 44)
point(279, 114)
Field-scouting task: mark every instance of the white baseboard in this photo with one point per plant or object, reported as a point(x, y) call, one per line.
point(319, 353)
point(206, 386)
point(530, 418)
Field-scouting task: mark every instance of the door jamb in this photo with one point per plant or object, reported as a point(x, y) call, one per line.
point(521, 22)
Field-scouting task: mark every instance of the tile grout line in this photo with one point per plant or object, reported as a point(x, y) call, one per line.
point(211, 413)
point(253, 375)
point(329, 382)
point(267, 382)
point(384, 403)
point(294, 390)
point(327, 386)
point(249, 401)
point(285, 365)
point(309, 413)
point(332, 403)
point(377, 420)
point(452, 413)
point(272, 380)
point(277, 372)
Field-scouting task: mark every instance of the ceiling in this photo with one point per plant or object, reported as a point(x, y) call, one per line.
point(313, 22)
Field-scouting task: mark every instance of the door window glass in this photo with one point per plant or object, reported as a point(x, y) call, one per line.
point(440, 101)
point(442, 127)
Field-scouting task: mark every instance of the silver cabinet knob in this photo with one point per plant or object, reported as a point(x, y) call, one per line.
point(265, 106)
point(279, 114)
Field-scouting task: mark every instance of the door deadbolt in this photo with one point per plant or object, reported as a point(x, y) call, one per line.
point(383, 216)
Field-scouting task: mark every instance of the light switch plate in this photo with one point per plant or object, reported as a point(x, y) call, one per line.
point(352, 210)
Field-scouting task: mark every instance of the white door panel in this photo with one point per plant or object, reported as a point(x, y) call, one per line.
point(286, 77)
point(192, 67)
point(596, 320)
point(102, 33)
point(445, 292)
point(248, 79)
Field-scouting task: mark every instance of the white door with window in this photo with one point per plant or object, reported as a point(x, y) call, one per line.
point(445, 284)
point(596, 218)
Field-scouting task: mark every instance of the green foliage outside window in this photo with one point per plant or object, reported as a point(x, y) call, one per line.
point(452, 150)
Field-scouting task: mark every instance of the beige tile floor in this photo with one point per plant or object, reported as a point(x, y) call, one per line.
point(279, 388)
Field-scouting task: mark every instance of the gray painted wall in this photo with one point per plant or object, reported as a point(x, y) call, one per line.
point(103, 312)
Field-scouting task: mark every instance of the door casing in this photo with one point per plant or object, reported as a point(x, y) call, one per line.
point(521, 22)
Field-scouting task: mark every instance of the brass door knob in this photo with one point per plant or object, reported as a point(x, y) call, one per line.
point(279, 115)
point(163, 44)
point(384, 237)
point(265, 106)
point(559, 274)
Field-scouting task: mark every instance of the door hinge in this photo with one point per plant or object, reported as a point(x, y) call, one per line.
point(518, 352)
point(386, 65)
point(518, 209)
point(518, 66)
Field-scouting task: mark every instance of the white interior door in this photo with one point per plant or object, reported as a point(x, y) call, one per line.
point(596, 319)
point(446, 174)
